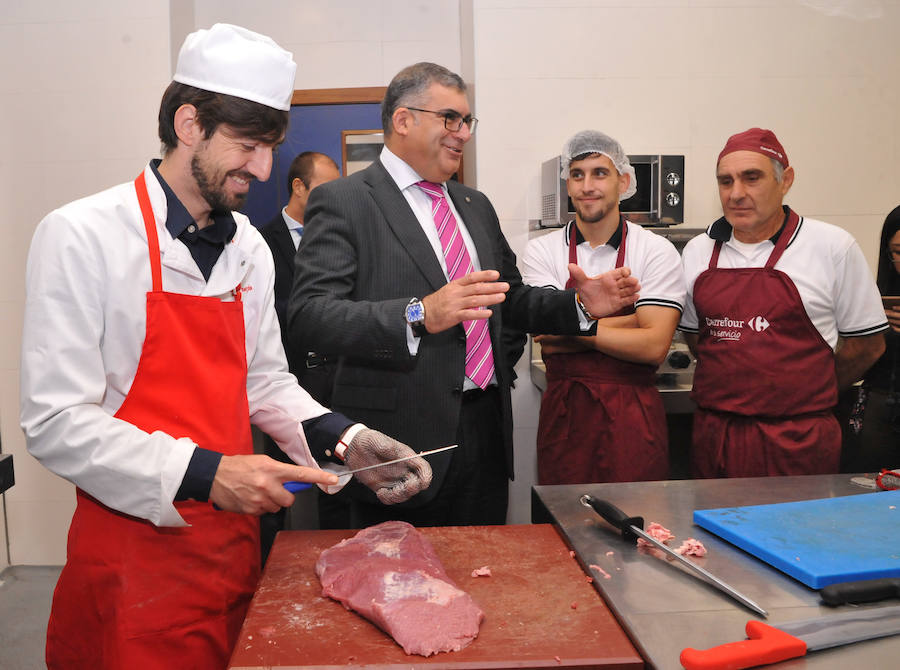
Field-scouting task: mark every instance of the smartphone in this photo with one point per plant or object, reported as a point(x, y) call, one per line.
point(891, 301)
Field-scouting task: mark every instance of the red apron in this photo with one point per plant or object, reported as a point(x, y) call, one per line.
point(602, 418)
point(136, 596)
point(765, 383)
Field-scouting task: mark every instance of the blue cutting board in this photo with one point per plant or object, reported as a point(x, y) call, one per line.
point(817, 542)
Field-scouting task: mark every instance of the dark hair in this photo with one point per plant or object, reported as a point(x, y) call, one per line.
point(888, 278)
point(303, 167)
point(411, 83)
point(250, 119)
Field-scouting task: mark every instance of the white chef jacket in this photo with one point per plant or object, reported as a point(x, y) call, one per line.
point(87, 277)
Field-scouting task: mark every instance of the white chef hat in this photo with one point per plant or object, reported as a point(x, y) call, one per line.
point(595, 142)
point(236, 61)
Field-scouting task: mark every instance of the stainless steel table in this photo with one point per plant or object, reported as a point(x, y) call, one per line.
point(663, 607)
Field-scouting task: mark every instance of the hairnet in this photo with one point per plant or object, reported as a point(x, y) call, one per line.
point(595, 142)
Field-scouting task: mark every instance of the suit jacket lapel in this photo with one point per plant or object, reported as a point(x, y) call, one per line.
point(401, 219)
point(285, 244)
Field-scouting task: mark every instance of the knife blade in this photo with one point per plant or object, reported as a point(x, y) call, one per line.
point(862, 591)
point(293, 487)
point(771, 644)
point(632, 528)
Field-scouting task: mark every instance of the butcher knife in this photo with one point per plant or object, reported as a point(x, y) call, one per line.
point(862, 591)
point(293, 487)
point(632, 528)
point(771, 644)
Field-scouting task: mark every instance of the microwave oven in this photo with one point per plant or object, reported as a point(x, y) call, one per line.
point(659, 199)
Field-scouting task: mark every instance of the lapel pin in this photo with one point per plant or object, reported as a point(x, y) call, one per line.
point(468, 199)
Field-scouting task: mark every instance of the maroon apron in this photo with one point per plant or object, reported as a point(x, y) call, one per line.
point(602, 418)
point(137, 596)
point(765, 383)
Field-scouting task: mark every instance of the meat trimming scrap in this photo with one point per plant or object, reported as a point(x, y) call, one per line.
point(391, 575)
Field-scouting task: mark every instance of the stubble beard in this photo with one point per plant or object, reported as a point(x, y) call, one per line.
point(597, 216)
point(212, 188)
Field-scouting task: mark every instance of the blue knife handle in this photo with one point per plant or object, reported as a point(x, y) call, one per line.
point(293, 487)
point(863, 591)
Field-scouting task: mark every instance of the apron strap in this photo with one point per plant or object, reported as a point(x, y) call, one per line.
point(620, 258)
point(140, 185)
point(714, 258)
point(792, 220)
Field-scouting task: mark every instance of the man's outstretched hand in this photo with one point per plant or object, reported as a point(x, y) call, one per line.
point(606, 293)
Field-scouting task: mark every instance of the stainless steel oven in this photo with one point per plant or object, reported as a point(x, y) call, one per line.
point(659, 199)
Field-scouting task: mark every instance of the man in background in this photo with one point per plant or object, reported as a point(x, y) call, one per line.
point(405, 275)
point(602, 418)
point(782, 312)
point(282, 234)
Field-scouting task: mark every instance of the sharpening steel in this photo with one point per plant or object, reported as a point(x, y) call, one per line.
point(293, 487)
point(632, 528)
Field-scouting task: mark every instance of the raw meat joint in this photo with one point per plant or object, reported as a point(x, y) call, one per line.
point(391, 575)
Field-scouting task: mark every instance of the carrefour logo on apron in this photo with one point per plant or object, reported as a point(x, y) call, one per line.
point(726, 329)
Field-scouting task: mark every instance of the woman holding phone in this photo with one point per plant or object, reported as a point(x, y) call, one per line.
point(873, 435)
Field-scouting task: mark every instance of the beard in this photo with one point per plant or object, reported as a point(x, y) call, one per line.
point(211, 183)
point(593, 216)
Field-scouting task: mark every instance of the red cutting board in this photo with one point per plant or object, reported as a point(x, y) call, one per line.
point(529, 621)
point(817, 542)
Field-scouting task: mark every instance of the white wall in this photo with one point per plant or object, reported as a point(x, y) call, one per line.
point(680, 76)
point(80, 85)
point(348, 43)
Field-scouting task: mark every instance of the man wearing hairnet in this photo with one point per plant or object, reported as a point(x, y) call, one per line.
point(602, 418)
point(782, 312)
point(150, 344)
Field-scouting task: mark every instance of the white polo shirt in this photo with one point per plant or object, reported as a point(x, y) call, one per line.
point(825, 263)
point(650, 257)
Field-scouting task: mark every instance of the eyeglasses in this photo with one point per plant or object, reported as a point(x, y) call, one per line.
point(453, 121)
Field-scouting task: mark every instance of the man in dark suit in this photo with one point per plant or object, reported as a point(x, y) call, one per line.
point(313, 371)
point(283, 234)
point(407, 277)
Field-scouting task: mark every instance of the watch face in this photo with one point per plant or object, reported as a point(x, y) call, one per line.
point(415, 312)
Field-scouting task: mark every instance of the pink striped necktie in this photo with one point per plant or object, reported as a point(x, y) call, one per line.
point(479, 356)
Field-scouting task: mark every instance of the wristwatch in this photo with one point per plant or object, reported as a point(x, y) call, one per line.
point(415, 317)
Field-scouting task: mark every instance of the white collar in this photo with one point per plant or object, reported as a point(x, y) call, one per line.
point(291, 222)
point(401, 171)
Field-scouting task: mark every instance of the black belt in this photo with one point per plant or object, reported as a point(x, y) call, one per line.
point(476, 393)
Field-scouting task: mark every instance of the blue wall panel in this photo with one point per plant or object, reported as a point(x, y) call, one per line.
point(312, 128)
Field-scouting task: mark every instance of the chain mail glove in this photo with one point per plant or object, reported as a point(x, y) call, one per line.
point(391, 483)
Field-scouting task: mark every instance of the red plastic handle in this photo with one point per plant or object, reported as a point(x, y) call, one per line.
point(766, 645)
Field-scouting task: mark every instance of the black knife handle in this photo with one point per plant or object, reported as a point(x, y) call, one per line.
point(615, 516)
point(865, 591)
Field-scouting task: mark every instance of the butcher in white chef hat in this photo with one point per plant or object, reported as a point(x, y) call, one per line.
point(150, 344)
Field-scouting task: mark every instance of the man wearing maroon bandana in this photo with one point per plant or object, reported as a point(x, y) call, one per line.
point(782, 312)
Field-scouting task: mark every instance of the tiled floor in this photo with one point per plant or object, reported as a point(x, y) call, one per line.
point(25, 594)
